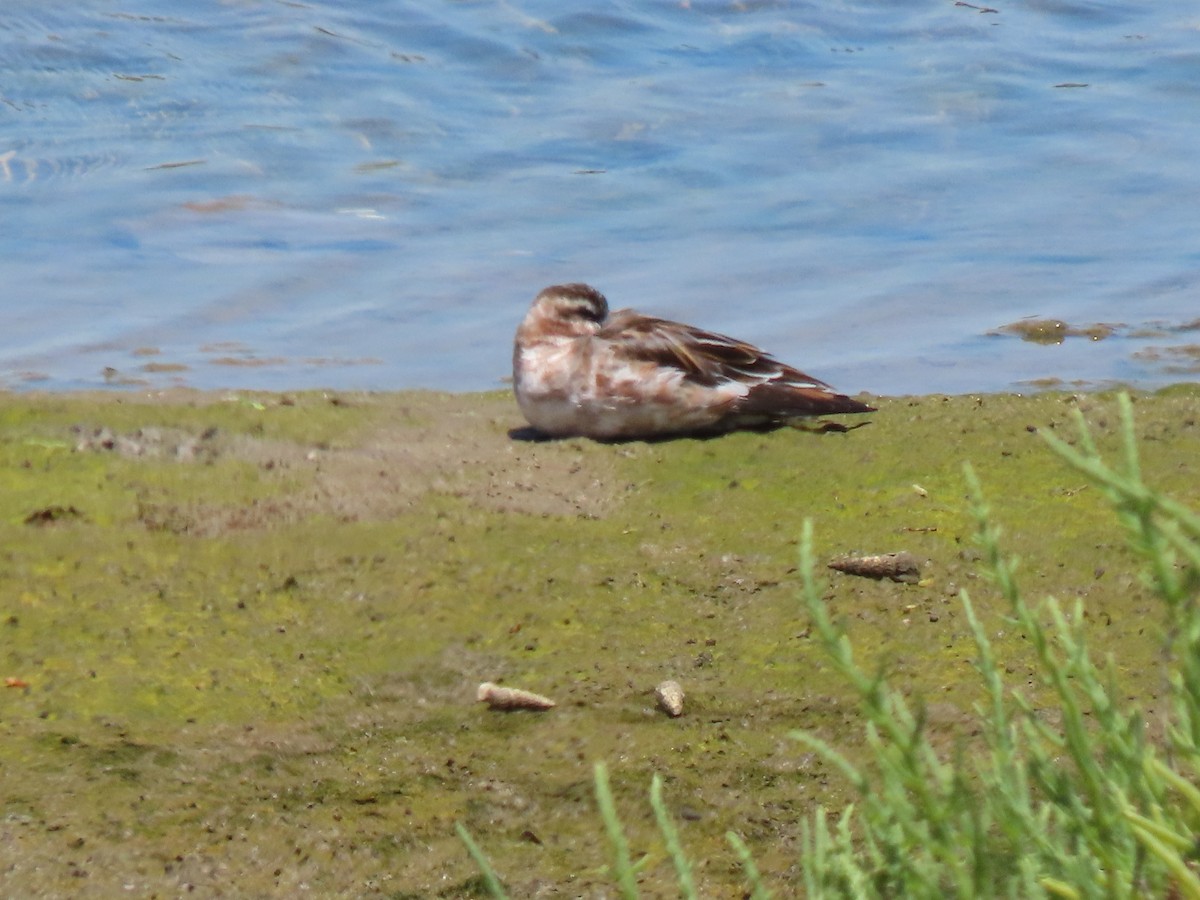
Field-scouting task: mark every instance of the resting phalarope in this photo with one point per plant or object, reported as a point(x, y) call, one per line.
point(579, 371)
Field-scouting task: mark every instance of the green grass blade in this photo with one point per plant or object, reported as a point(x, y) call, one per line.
point(758, 890)
point(683, 866)
point(490, 879)
point(623, 863)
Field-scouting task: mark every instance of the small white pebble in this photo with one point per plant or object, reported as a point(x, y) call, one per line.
point(670, 698)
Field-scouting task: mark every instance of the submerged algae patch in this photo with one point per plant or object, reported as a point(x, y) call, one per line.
point(289, 697)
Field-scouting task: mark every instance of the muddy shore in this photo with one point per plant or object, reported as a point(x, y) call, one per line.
point(243, 633)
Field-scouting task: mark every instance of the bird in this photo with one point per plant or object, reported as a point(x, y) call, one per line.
point(581, 371)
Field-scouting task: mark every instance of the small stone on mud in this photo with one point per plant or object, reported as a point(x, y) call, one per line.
point(52, 514)
point(669, 695)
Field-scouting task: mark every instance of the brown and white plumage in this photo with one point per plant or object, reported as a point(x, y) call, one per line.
point(579, 371)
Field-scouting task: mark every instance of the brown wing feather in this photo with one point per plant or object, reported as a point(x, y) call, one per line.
point(709, 359)
point(704, 357)
point(784, 400)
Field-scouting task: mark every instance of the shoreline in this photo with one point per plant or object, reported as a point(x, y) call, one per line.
point(247, 629)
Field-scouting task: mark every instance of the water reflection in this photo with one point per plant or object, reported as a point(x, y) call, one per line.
point(368, 197)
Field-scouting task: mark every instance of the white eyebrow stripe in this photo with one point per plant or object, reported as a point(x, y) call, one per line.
point(582, 304)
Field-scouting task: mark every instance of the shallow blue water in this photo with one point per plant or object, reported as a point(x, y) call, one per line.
point(367, 195)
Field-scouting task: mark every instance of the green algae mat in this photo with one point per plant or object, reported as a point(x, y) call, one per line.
point(241, 634)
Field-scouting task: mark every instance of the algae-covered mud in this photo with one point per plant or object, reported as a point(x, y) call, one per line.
point(243, 635)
